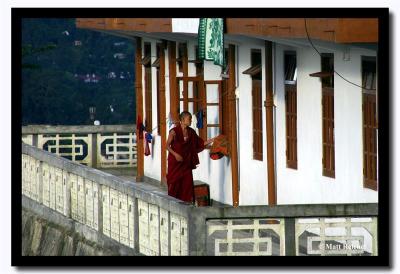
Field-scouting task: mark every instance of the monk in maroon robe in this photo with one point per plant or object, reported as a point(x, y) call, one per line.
point(183, 145)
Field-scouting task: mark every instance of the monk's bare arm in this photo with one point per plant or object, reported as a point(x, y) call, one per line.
point(169, 141)
point(209, 141)
point(170, 150)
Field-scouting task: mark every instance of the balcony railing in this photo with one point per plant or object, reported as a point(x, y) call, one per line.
point(108, 146)
point(141, 217)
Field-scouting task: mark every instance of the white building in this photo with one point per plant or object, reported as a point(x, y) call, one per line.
point(296, 138)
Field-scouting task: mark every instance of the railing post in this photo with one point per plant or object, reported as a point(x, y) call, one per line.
point(99, 208)
point(67, 203)
point(136, 223)
point(290, 237)
point(35, 140)
point(197, 233)
point(40, 182)
point(94, 150)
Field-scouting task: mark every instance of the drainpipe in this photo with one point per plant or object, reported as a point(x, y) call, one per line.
point(269, 104)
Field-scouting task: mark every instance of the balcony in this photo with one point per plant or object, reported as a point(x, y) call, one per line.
point(86, 175)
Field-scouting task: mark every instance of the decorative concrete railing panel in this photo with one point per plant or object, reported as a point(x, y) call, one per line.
point(116, 150)
point(76, 147)
point(109, 146)
point(336, 236)
point(246, 237)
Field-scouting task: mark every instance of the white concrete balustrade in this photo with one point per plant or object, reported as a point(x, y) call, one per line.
point(108, 210)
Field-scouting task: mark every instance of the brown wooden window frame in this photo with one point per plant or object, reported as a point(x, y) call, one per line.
point(218, 125)
point(290, 68)
point(148, 86)
point(328, 116)
point(370, 123)
point(197, 99)
point(256, 93)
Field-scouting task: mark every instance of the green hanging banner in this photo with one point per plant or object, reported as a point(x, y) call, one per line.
point(211, 40)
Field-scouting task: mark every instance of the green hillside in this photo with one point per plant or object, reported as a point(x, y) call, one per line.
point(66, 70)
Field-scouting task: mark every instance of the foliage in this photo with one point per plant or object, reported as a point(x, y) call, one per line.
point(54, 68)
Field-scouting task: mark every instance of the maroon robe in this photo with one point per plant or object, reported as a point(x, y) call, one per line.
point(179, 176)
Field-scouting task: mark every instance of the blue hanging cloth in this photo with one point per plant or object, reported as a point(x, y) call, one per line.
point(199, 117)
point(148, 137)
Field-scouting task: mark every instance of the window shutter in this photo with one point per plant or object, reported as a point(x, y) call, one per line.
point(291, 125)
point(257, 120)
point(370, 123)
point(370, 141)
point(328, 132)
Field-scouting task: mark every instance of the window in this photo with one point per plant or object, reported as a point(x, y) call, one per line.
point(213, 92)
point(190, 93)
point(328, 126)
point(255, 72)
point(196, 95)
point(291, 109)
point(290, 68)
point(370, 122)
point(148, 88)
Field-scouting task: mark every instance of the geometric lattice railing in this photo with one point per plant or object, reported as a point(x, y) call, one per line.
point(75, 147)
point(246, 237)
point(336, 236)
point(106, 146)
point(116, 149)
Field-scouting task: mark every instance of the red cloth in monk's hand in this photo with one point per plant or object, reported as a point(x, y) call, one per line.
point(179, 176)
point(219, 148)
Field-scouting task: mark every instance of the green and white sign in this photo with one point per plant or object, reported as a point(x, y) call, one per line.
point(211, 40)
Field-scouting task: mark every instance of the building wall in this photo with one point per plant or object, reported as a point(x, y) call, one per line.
point(253, 173)
point(185, 25)
point(152, 163)
point(216, 173)
point(306, 184)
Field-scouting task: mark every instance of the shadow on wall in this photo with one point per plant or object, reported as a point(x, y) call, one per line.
point(223, 165)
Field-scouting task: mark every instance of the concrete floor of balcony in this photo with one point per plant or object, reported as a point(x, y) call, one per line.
point(129, 174)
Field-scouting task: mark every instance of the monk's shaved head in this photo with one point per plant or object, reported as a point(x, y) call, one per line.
point(184, 114)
